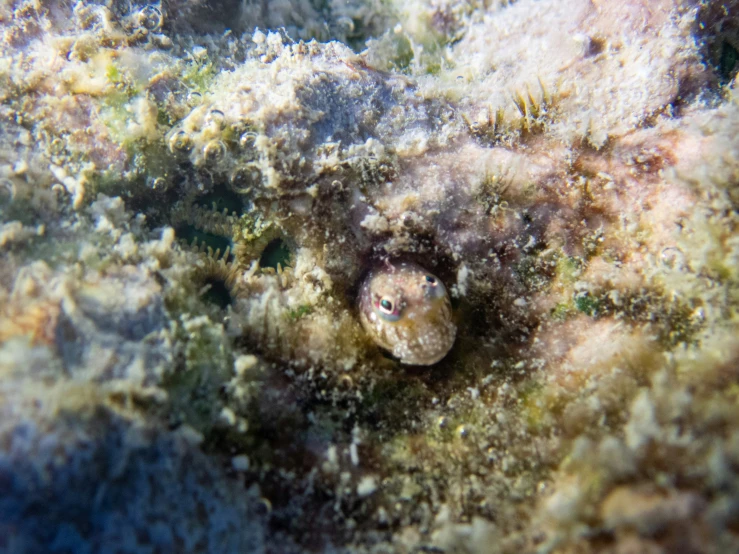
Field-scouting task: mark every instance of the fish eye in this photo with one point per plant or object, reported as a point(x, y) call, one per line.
point(431, 280)
point(386, 306)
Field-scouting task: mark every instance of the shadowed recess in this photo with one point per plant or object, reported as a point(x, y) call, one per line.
point(217, 293)
point(188, 234)
point(222, 199)
point(276, 252)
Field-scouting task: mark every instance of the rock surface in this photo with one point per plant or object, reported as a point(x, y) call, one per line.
point(192, 192)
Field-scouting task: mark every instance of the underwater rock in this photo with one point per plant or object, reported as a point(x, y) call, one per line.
point(187, 213)
point(75, 479)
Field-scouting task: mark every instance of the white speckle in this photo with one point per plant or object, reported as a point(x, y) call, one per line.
point(240, 463)
point(189, 435)
point(301, 205)
point(199, 53)
point(259, 37)
point(75, 187)
point(126, 247)
point(331, 465)
point(642, 425)
point(463, 275)
point(227, 416)
point(244, 363)
point(367, 485)
point(519, 302)
point(354, 454)
point(375, 223)
point(331, 455)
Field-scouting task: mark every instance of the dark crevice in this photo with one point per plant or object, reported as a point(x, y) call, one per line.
point(217, 293)
point(717, 30)
point(276, 252)
point(189, 234)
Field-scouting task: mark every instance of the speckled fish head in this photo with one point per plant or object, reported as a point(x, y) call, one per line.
point(406, 310)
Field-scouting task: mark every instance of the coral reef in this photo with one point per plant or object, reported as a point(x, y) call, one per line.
point(195, 197)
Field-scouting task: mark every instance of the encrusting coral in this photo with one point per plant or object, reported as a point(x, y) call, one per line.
point(195, 199)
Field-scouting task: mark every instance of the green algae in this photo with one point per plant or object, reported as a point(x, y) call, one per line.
point(588, 305)
point(301, 311)
point(198, 75)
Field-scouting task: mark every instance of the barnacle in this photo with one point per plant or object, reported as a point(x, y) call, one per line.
point(489, 127)
point(220, 278)
point(531, 108)
point(406, 310)
point(229, 236)
point(492, 125)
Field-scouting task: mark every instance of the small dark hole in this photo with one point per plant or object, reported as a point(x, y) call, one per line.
point(188, 233)
point(217, 293)
point(223, 198)
point(389, 355)
point(595, 46)
point(276, 252)
point(727, 62)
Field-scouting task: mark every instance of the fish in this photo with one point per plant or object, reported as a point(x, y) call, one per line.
point(406, 310)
